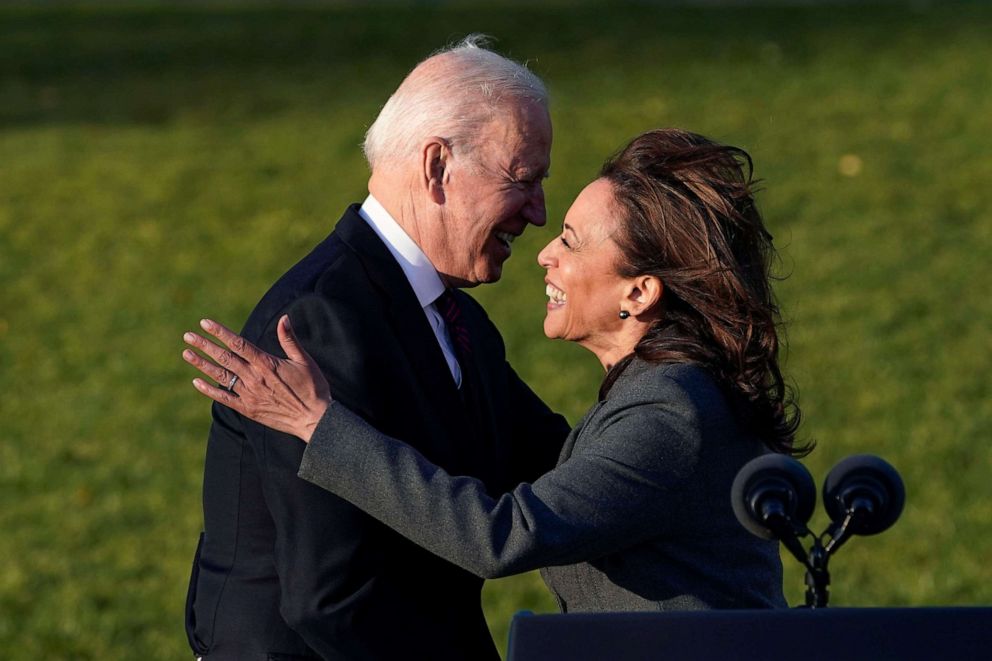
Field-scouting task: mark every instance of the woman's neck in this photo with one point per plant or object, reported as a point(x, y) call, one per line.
point(613, 348)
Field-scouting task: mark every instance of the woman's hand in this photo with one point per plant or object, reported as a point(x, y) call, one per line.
point(288, 395)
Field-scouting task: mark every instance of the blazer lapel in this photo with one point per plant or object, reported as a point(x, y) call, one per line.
point(636, 367)
point(573, 436)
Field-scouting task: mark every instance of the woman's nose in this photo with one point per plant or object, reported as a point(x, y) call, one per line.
point(546, 257)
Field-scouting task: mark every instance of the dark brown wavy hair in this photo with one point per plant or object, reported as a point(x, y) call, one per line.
point(688, 217)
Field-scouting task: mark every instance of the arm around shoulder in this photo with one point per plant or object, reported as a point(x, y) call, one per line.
point(609, 495)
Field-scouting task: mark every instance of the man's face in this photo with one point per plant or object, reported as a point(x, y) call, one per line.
point(492, 194)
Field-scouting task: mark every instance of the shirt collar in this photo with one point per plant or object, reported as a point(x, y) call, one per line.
point(416, 267)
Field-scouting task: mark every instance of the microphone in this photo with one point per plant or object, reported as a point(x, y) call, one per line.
point(773, 497)
point(864, 495)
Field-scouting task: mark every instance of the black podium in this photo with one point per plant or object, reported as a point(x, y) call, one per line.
point(869, 634)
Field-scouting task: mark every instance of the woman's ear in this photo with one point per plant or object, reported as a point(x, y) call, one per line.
point(436, 157)
point(644, 295)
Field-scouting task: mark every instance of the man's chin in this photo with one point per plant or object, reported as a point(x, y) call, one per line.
point(487, 274)
point(455, 282)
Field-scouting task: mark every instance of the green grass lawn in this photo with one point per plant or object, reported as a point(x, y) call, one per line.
point(160, 165)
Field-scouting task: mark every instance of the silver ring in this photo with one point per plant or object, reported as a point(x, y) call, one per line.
point(230, 386)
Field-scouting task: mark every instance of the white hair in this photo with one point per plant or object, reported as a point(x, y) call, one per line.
point(452, 102)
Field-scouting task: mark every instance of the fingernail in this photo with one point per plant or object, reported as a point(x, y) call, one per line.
point(288, 324)
point(197, 383)
point(189, 337)
point(206, 324)
point(188, 355)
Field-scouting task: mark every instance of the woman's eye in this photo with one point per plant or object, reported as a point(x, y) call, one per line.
point(564, 241)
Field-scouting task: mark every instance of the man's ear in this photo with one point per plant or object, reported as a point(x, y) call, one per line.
point(436, 158)
point(644, 294)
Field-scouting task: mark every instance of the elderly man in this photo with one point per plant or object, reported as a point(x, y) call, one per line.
point(284, 570)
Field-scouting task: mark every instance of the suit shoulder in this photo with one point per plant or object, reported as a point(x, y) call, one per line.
point(652, 420)
point(692, 379)
point(649, 380)
point(332, 269)
point(686, 390)
point(331, 273)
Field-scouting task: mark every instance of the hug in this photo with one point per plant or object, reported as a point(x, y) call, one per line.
point(373, 456)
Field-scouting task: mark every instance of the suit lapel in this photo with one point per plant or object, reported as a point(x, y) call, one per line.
point(408, 325)
point(494, 458)
point(480, 369)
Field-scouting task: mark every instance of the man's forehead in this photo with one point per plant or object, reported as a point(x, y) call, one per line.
point(531, 143)
point(531, 160)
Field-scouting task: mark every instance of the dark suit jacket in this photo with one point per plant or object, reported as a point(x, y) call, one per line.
point(637, 515)
point(286, 568)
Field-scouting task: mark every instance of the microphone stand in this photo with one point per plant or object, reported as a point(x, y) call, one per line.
point(818, 558)
point(817, 576)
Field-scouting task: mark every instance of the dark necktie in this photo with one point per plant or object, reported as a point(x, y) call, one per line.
point(457, 330)
point(478, 419)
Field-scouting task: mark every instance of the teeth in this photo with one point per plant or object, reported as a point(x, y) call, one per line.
point(505, 237)
point(555, 294)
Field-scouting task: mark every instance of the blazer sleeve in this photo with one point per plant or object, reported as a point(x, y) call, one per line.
point(618, 489)
point(321, 553)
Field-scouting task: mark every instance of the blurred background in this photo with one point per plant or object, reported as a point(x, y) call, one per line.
point(160, 163)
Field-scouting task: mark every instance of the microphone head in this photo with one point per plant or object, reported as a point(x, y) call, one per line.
point(869, 487)
point(771, 491)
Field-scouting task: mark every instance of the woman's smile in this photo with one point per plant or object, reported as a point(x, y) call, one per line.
point(556, 297)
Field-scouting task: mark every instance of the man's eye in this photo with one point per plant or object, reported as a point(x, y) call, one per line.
point(564, 241)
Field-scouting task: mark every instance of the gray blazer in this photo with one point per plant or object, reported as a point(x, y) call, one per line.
point(636, 516)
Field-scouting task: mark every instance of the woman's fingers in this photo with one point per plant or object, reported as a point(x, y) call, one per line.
point(237, 344)
point(287, 395)
point(287, 340)
point(309, 377)
point(217, 373)
point(220, 355)
point(220, 395)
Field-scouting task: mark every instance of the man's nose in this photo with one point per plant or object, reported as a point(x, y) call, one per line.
point(535, 211)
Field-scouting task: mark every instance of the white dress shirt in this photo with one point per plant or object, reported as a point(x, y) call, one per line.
point(419, 272)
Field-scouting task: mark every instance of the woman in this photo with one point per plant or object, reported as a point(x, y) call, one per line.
point(662, 272)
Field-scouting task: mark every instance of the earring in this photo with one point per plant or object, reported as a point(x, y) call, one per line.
point(624, 314)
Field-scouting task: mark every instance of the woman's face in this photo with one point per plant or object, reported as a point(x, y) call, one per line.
point(585, 293)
